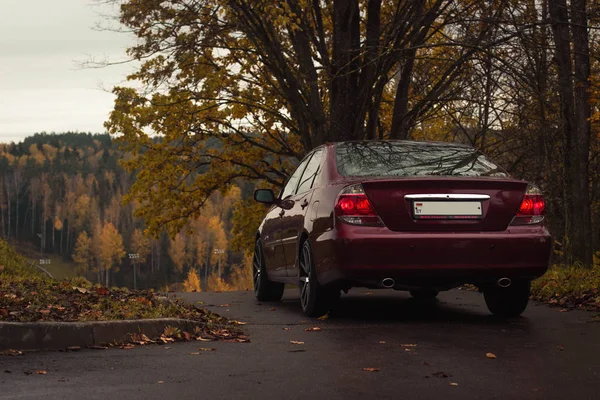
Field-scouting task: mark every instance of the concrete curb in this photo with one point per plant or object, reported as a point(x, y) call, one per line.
point(59, 335)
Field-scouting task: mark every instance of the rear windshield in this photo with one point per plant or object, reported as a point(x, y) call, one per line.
point(412, 159)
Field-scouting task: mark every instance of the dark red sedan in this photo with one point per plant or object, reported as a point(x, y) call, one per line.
point(418, 216)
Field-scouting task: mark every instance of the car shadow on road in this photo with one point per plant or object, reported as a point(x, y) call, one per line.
point(395, 308)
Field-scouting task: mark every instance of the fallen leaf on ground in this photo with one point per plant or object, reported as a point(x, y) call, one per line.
point(194, 354)
point(313, 329)
point(101, 291)
point(490, 355)
point(323, 317)
point(371, 369)
point(160, 382)
point(98, 347)
point(207, 349)
point(273, 309)
point(382, 342)
point(408, 345)
point(296, 342)
point(453, 384)
point(224, 305)
point(73, 348)
point(239, 322)
point(127, 347)
point(204, 339)
point(286, 329)
point(81, 290)
point(187, 336)
point(40, 372)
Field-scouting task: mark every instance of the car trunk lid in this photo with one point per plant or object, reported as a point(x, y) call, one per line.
point(445, 204)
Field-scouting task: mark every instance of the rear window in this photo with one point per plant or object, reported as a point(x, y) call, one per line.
point(412, 159)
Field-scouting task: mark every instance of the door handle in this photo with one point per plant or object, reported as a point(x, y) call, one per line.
point(304, 204)
point(281, 213)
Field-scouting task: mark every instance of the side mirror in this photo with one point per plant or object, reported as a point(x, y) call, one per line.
point(265, 196)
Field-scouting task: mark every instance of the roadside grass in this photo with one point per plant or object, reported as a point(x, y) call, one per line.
point(28, 295)
point(569, 287)
point(58, 267)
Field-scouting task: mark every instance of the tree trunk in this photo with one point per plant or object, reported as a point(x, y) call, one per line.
point(575, 111)
point(345, 70)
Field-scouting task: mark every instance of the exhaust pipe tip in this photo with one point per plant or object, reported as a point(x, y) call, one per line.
point(504, 282)
point(388, 282)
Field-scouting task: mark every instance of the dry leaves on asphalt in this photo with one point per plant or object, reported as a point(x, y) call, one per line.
point(40, 372)
point(296, 342)
point(490, 355)
point(207, 349)
point(371, 369)
point(286, 329)
point(453, 384)
point(313, 329)
point(408, 345)
point(323, 317)
point(273, 309)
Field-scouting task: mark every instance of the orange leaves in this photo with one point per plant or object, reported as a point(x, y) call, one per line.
point(371, 369)
point(101, 291)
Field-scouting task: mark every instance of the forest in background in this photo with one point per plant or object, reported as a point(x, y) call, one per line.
point(61, 203)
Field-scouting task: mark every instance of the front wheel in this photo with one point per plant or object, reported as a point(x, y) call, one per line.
point(316, 300)
point(264, 289)
point(508, 302)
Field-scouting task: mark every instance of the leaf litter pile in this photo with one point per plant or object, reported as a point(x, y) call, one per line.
point(27, 295)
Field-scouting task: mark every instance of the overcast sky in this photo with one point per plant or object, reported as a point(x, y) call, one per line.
point(42, 88)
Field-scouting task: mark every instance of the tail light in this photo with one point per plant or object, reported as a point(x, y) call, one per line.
point(353, 207)
point(532, 209)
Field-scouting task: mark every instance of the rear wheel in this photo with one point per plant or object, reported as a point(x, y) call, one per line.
point(424, 294)
point(264, 289)
point(508, 302)
point(316, 300)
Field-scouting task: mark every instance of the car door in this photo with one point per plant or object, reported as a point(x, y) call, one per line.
point(275, 225)
point(294, 218)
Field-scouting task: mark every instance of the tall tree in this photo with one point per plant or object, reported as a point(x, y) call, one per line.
point(112, 250)
point(239, 88)
point(573, 61)
point(83, 255)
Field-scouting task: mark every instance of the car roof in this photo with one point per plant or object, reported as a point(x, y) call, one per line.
point(407, 142)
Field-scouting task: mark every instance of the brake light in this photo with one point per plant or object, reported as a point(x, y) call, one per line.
point(532, 209)
point(353, 207)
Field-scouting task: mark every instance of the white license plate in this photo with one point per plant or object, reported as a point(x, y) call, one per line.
point(447, 210)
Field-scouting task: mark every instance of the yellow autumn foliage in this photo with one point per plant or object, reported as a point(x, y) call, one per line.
point(192, 282)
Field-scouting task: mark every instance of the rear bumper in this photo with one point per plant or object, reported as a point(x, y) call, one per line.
point(366, 255)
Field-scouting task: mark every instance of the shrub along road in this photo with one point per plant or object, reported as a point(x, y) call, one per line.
point(378, 345)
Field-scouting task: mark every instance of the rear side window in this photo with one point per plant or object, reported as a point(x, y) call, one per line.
point(310, 173)
point(412, 159)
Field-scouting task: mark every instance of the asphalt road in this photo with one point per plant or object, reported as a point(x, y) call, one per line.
point(431, 350)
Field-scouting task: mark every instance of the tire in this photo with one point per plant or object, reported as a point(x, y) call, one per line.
point(316, 300)
point(264, 289)
point(424, 294)
point(508, 302)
